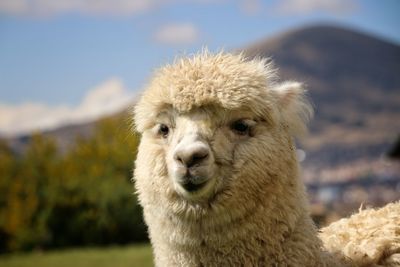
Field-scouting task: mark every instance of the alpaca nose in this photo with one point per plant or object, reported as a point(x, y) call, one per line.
point(192, 155)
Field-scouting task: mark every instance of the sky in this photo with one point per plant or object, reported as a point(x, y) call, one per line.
point(69, 61)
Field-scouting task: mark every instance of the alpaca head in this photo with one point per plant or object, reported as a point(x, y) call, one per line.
point(217, 127)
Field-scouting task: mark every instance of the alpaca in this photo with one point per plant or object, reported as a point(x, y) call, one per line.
point(216, 170)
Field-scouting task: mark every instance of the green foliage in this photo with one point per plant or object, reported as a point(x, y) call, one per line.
point(81, 197)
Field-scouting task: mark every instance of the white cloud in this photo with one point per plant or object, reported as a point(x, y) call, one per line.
point(302, 7)
point(177, 34)
point(107, 98)
point(93, 7)
point(89, 7)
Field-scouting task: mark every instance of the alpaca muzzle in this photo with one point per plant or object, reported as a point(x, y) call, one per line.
point(192, 162)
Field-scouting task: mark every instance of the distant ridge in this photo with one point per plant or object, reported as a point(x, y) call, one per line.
point(353, 80)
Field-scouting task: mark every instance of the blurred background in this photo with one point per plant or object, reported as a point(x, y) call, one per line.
point(70, 69)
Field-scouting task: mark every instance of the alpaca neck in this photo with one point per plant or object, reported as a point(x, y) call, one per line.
point(256, 238)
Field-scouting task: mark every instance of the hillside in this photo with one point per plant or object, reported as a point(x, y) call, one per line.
point(353, 80)
point(65, 136)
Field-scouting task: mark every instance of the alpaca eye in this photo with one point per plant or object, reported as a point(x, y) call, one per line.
point(163, 130)
point(240, 127)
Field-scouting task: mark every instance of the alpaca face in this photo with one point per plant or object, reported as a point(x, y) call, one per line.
point(216, 128)
point(209, 154)
point(200, 147)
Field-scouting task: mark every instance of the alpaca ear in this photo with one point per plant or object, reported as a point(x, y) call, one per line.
point(294, 107)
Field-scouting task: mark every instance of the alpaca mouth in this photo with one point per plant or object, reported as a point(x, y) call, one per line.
point(195, 187)
point(192, 187)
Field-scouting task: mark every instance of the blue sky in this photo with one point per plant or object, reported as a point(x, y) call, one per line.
point(75, 56)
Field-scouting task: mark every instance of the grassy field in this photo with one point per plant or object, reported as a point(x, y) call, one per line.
point(132, 256)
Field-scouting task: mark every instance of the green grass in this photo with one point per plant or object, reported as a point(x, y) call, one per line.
point(132, 256)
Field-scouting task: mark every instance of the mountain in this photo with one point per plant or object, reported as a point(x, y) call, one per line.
point(64, 136)
point(353, 80)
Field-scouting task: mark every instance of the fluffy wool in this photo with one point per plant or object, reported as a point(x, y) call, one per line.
point(368, 238)
point(252, 210)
